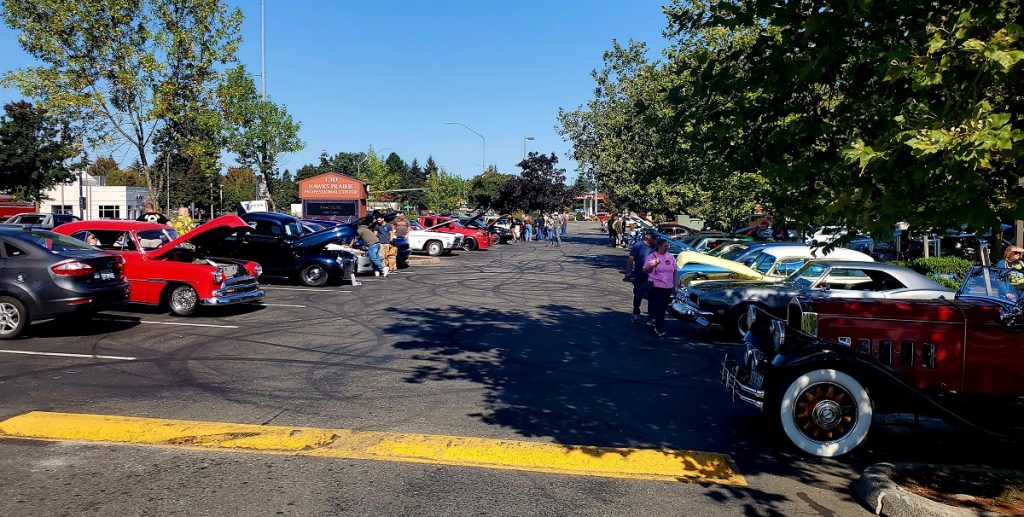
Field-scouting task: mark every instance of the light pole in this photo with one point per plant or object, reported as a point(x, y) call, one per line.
point(525, 138)
point(483, 145)
point(263, 49)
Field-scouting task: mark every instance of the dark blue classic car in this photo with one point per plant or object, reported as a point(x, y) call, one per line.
point(287, 252)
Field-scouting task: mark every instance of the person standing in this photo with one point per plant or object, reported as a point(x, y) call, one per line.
point(661, 271)
point(516, 225)
point(541, 231)
point(635, 272)
point(151, 216)
point(527, 228)
point(372, 243)
point(1012, 259)
point(563, 219)
point(618, 231)
point(183, 222)
point(385, 234)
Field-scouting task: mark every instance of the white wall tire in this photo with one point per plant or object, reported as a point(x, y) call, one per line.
point(825, 412)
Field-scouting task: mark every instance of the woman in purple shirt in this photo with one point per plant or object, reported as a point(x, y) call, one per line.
point(661, 273)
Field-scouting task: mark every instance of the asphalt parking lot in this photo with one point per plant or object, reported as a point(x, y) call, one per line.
point(519, 343)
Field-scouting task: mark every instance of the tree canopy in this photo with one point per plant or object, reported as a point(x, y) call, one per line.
point(34, 152)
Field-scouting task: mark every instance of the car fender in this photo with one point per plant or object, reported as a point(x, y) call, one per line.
point(24, 295)
point(328, 262)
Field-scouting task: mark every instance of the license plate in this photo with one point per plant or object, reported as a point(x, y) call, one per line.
point(106, 275)
point(756, 380)
point(701, 320)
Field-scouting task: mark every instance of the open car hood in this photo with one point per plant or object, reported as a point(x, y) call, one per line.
point(208, 234)
point(343, 232)
point(738, 270)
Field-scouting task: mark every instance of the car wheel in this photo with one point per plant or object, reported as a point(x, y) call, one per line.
point(825, 412)
point(470, 245)
point(183, 300)
point(314, 275)
point(13, 317)
point(434, 248)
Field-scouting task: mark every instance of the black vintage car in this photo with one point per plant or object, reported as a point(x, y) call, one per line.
point(45, 275)
point(287, 252)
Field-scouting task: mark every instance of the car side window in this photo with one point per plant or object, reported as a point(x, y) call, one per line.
point(12, 251)
point(268, 228)
point(787, 267)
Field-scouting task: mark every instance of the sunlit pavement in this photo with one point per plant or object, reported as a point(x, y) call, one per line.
point(507, 381)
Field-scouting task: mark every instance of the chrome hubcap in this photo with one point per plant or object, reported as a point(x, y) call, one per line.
point(826, 414)
point(184, 299)
point(314, 274)
point(9, 318)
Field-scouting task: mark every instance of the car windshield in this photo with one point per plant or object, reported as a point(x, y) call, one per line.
point(734, 253)
point(55, 242)
point(763, 263)
point(1001, 284)
point(150, 240)
point(293, 229)
point(415, 225)
point(805, 277)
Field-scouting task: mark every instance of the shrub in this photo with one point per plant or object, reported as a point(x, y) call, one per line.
point(946, 271)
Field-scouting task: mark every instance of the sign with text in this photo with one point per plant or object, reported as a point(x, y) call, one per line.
point(332, 186)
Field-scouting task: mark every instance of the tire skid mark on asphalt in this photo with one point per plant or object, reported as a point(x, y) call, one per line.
point(578, 460)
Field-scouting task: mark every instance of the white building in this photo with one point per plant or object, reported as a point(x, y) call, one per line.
point(99, 200)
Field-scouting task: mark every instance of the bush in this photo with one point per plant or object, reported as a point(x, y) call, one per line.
point(946, 271)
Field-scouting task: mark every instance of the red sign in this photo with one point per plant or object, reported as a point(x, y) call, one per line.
point(332, 186)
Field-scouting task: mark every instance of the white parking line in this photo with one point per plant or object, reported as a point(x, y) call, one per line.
point(301, 289)
point(58, 354)
point(282, 305)
point(189, 324)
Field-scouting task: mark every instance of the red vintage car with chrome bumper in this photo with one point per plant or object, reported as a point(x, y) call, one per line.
point(473, 238)
point(823, 373)
point(165, 268)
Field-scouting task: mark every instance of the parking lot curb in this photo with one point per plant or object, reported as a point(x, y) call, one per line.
point(876, 490)
point(424, 261)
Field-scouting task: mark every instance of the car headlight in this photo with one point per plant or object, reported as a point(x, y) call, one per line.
point(219, 276)
point(259, 270)
point(778, 334)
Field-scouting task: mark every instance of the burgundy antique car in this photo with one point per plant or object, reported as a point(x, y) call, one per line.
point(833, 363)
point(164, 268)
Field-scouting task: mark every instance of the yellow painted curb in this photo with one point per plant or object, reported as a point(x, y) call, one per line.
point(648, 464)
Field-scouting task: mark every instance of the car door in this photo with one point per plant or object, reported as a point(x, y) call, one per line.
point(265, 244)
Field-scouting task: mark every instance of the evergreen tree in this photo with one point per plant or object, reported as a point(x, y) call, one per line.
point(33, 152)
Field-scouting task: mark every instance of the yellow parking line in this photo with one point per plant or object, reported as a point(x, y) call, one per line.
point(648, 464)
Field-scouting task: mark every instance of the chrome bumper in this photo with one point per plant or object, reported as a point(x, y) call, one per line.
point(735, 378)
point(685, 309)
point(237, 290)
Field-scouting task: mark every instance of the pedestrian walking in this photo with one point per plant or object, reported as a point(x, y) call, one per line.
point(611, 231)
point(563, 219)
point(661, 272)
point(618, 231)
point(542, 232)
point(635, 272)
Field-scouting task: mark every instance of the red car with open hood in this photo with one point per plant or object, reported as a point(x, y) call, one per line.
point(165, 268)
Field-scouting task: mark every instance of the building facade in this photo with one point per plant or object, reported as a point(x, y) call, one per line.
point(98, 201)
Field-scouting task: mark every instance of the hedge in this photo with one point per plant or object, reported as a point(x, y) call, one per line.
point(947, 271)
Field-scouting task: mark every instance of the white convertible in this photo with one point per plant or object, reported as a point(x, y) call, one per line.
point(433, 243)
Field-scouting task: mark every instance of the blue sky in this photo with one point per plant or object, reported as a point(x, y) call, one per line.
point(390, 74)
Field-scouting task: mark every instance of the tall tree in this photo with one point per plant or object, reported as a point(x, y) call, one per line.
point(109, 65)
point(34, 151)
point(414, 178)
point(484, 188)
point(378, 176)
point(443, 192)
point(259, 131)
point(239, 185)
point(540, 186)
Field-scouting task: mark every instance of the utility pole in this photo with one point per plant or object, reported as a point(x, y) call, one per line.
point(263, 49)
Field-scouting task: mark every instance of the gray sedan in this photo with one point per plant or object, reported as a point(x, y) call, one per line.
point(725, 302)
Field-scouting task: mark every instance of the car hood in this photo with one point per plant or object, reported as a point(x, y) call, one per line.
point(692, 257)
point(326, 236)
point(205, 235)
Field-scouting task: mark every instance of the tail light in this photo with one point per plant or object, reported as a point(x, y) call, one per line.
point(71, 267)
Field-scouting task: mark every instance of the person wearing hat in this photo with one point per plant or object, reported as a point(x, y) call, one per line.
point(635, 271)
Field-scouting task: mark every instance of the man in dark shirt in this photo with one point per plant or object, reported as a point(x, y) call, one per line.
point(369, 238)
point(385, 236)
point(151, 216)
point(635, 271)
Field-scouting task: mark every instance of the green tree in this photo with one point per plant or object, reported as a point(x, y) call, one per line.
point(484, 188)
point(125, 178)
point(102, 166)
point(378, 176)
point(443, 192)
point(258, 131)
point(112, 67)
point(540, 186)
point(34, 151)
point(239, 185)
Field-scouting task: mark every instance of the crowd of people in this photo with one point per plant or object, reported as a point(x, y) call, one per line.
point(379, 235)
point(550, 227)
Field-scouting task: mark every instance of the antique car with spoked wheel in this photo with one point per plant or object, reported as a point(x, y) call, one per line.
point(821, 374)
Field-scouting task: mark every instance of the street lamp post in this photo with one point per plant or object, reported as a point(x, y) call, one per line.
point(483, 145)
point(525, 138)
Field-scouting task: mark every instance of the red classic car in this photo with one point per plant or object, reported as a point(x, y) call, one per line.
point(474, 238)
point(162, 267)
point(823, 372)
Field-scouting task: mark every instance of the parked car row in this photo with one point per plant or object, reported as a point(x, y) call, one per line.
point(87, 266)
